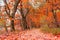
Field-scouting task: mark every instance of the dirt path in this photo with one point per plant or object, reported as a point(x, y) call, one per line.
point(33, 34)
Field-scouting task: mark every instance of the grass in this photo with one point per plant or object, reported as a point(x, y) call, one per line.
point(47, 29)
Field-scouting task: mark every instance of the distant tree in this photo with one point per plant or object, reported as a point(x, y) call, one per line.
point(54, 12)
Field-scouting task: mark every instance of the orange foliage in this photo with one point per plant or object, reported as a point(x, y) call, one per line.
point(42, 11)
point(37, 14)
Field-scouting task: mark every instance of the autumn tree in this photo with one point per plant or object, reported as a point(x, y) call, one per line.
point(11, 14)
point(54, 9)
point(24, 11)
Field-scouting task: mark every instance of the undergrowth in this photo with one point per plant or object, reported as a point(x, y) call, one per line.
point(53, 30)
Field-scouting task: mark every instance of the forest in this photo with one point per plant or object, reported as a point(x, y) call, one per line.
point(30, 19)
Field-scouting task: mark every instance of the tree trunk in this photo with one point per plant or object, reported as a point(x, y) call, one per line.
point(24, 23)
point(6, 28)
point(12, 25)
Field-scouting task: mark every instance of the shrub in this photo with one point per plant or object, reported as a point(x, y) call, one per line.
point(47, 29)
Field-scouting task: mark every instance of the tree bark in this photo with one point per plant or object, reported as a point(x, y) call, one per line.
point(6, 28)
point(12, 24)
point(24, 23)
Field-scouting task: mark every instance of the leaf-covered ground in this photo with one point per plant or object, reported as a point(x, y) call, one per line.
point(34, 34)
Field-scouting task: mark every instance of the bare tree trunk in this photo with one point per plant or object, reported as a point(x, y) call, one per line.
point(24, 23)
point(6, 28)
point(12, 25)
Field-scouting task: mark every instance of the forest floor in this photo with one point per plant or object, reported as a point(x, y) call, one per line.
point(33, 34)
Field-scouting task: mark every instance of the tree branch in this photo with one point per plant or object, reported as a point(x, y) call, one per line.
point(7, 12)
point(21, 9)
point(27, 11)
point(6, 7)
point(15, 7)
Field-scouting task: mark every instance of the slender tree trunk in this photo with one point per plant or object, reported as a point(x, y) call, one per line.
point(24, 23)
point(6, 28)
point(12, 25)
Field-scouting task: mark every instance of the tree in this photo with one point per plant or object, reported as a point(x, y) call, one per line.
point(11, 14)
point(54, 13)
point(14, 9)
point(24, 14)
